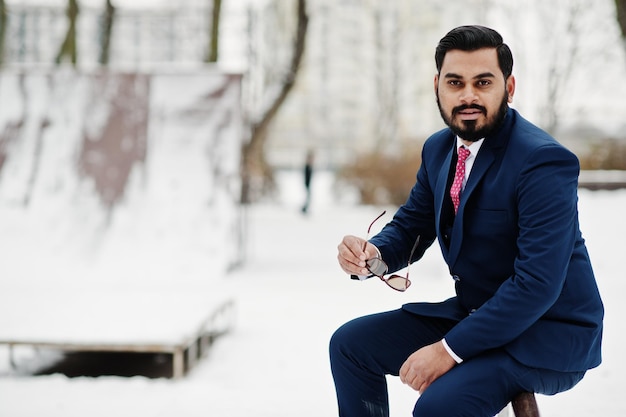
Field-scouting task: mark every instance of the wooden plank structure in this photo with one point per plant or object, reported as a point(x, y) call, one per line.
point(122, 206)
point(184, 329)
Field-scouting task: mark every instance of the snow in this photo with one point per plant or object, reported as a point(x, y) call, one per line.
point(176, 181)
point(290, 296)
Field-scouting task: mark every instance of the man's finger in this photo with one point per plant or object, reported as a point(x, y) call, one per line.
point(402, 373)
point(422, 387)
point(351, 257)
point(355, 245)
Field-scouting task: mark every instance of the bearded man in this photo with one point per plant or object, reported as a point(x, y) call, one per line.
point(500, 197)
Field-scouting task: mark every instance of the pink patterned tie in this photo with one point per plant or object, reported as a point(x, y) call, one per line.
point(459, 176)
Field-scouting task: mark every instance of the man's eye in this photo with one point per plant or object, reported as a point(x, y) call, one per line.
point(454, 83)
point(484, 83)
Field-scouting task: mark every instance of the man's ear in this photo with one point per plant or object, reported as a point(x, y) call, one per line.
point(510, 88)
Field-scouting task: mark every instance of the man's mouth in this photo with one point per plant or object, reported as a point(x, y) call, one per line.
point(471, 113)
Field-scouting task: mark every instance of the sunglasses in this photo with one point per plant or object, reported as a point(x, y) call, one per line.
point(379, 268)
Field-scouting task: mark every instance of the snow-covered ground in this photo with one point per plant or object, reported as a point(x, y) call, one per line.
point(290, 297)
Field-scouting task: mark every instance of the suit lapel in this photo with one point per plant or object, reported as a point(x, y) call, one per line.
point(440, 193)
point(486, 156)
point(484, 159)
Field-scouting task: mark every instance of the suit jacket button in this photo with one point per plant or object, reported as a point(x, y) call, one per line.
point(472, 311)
point(456, 278)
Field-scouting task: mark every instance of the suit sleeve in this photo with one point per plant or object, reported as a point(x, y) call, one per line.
point(415, 217)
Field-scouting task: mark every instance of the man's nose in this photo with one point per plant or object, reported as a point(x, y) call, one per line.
point(468, 95)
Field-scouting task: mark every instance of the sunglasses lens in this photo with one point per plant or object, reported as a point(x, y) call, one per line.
point(398, 283)
point(376, 266)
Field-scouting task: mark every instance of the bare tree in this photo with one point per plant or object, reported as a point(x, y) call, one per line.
point(68, 47)
point(107, 27)
point(559, 75)
point(214, 35)
point(387, 35)
point(3, 28)
point(254, 165)
point(565, 24)
point(620, 6)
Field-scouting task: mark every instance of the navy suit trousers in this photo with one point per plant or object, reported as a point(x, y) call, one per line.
point(365, 350)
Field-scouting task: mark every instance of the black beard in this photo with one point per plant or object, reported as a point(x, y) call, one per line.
point(467, 131)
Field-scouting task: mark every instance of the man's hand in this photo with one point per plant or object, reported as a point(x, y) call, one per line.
point(424, 366)
point(352, 257)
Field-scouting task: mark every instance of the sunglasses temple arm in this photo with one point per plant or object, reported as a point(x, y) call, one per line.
point(367, 237)
point(417, 241)
point(375, 220)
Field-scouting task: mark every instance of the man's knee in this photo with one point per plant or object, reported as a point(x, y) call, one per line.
point(343, 339)
point(446, 405)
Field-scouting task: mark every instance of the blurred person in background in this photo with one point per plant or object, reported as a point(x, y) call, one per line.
point(308, 175)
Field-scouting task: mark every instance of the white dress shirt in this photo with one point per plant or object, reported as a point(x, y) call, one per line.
point(469, 163)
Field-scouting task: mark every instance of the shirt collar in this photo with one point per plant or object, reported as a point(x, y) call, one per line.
point(473, 148)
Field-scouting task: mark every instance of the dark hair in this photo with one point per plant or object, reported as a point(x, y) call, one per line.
point(471, 38)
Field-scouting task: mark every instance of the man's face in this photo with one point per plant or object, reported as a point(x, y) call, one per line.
point(472, 93)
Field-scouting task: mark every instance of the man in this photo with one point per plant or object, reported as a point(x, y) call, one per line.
point(527, 315)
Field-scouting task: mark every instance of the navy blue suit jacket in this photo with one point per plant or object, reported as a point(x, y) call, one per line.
point(522, 274)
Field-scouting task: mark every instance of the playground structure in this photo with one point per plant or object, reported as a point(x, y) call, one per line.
point(119, 200)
